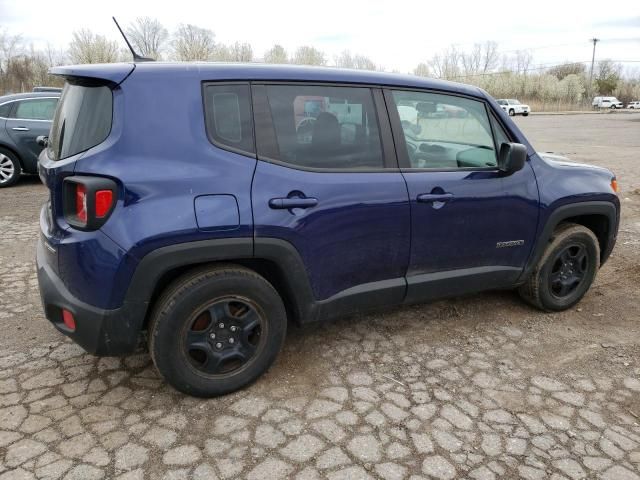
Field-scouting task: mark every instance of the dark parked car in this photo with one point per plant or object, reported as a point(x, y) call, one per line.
point(211, 218)
point(23, 118)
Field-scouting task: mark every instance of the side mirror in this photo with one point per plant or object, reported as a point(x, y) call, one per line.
point(42, 140)
point(512, 157)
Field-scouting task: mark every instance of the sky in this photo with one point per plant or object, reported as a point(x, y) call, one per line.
point(395, 34)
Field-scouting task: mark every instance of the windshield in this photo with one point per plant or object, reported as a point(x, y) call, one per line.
point(514, 102)
point(82, 120)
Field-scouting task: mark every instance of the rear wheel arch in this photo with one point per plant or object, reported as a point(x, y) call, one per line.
point(13, 151)
point(275, 260)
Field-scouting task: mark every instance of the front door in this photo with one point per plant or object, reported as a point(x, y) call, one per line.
point(472, 226)
point(29, 119)
point(324, 184)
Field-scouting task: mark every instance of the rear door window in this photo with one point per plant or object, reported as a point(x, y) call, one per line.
point(228, 116)
point(5, 109)
point(36, 109)
point(81, 121)
point(324, 127)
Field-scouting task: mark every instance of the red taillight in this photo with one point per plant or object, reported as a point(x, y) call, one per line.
point(88, 201)
point(81, 203)
point(104, 200)
point(69, 321)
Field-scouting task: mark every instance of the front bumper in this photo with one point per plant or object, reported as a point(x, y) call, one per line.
point(98, 331)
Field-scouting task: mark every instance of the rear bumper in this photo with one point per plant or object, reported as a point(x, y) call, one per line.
point(98, 331)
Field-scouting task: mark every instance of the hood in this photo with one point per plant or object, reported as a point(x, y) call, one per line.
point(556, 160)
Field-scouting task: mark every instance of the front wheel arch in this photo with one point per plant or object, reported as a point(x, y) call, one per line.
point(601, 217)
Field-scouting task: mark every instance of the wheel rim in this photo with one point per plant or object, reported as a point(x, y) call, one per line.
point(7, 170)
point(568, 270)
point(224, 337)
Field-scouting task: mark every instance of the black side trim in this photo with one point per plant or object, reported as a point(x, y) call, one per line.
point(430, 286)
point(362, 298)
point(608, 209)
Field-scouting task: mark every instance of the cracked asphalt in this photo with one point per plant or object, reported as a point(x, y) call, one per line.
point(479, 387)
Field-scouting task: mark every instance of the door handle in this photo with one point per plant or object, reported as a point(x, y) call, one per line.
point(20, 129)
point(294, 202)
point(434, 197)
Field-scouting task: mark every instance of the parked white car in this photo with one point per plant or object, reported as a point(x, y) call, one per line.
point(635, 105)
point(514, 107)
point(606, 102)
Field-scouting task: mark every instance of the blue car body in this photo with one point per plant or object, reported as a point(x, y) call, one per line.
point(367, 242)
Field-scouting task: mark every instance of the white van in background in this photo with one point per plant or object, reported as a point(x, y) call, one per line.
point(606, 102)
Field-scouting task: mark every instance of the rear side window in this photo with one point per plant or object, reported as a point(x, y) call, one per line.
point(81, 121)
point(324, 127)
point(228, 116)
point(5, 109)
point(36, 109)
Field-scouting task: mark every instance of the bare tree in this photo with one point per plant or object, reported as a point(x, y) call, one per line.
point(276, 54)
point(306, 55)
point(446, 64)
point(347, 60)
point(520, 62)
point(241, 52)
point(148, 36)
point(422, 70)
point(88, 47)
point(344, 60)
point(193, 43)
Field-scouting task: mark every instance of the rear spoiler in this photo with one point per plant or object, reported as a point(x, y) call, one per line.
point(113, 73)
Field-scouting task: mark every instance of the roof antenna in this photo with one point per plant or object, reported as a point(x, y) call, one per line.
point(136, 57)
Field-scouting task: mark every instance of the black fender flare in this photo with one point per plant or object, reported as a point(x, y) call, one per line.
point(280, 253)
point(557, 216)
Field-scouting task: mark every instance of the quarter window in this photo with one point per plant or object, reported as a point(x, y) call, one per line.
point(324, 127)
point(41, 109)
point(445, 131)
point(228, 115)
point(5, 109)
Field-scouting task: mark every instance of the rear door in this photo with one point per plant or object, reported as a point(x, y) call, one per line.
point(327, 182)
point(29, 119)
point(471, 225)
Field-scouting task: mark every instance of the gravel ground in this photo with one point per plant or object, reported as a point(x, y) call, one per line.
point(479, 387)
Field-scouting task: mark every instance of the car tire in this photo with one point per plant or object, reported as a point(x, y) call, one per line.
point(565, 271)
point(10, 168)
point(525, 114)
point(613, 107)
point(512, 112)
point(202, 336)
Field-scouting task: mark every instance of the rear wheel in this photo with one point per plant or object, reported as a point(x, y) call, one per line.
point(216, 330)
point(566, 270)
point(10, 168)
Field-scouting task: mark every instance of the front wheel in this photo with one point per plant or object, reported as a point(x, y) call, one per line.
point(525, 114)
point(565, 271)
point(216, 330)
point(512, 112)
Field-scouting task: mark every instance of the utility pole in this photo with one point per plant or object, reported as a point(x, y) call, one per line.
point(593, 57)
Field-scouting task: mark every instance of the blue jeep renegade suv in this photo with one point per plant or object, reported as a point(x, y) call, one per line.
point(208, 204)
